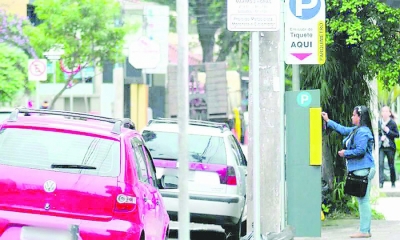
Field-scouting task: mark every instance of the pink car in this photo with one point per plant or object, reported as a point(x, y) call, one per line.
point(72, 179)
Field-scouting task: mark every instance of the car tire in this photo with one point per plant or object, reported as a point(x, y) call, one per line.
point(234, 232)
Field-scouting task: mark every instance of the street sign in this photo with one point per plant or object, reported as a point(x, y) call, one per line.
point(304, 99)
point(65, 69)
point(37, 69)
point(157, 28)
point(144, 53)
point(253, 16)
point(305, 32)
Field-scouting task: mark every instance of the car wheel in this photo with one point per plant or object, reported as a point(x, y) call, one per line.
point(234, 232)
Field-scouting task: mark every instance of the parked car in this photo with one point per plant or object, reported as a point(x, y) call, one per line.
point(217, 177)
point(70, 178)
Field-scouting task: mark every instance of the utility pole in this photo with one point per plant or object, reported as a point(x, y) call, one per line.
point(267, 132)
point(182, 7)
point(266, 112)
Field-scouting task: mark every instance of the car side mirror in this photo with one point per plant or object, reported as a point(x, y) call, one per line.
point(169, 182)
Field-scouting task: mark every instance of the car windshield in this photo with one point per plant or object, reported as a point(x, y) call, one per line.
point(43, 149)
point(202, 148)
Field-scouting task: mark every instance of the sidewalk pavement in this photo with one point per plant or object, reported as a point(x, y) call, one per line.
point(388, 229)
point(380, 230)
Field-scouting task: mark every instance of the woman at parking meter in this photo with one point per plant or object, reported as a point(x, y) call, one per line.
point(357, 150)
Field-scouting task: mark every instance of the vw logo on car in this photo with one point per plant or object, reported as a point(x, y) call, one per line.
point(49, 186)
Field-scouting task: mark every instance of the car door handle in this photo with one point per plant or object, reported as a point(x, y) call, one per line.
point(157, 201)
point(145, 199)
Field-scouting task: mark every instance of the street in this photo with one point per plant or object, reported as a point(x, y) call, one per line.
point(199, 232)
point(200, 235)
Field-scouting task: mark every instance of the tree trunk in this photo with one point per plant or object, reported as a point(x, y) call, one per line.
point(228, 41)
point(206, 30)
point(207, 45)
point(57, 96)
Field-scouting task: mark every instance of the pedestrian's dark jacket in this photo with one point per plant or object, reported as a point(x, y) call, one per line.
point(391, 135)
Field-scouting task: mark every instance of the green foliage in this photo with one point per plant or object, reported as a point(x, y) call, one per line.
point(362, 41)
point(343, 86)
point(37, 39)
point(60, 77)
point(12, 33)
point(387, 95)
point(372, 27)
point(86, 30)
point(339, 205)
point(13, 69)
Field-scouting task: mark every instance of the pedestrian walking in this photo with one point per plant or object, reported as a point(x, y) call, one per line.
point(357, 150)
point(388, 131)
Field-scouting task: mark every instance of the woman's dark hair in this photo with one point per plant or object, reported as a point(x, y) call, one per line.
point(365, 117)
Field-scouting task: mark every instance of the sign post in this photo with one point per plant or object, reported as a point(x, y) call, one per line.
point(37, 71)
point(182, 26)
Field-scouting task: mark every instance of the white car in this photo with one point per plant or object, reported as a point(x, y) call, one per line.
point(218, 170)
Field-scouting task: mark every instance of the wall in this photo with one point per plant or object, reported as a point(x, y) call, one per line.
point(18, 7)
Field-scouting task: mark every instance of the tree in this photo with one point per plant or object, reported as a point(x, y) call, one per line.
point(85, 29)
point(12, 31)
point(363, 41)
point(387, 95)
point(13, 69)
point(210, 19)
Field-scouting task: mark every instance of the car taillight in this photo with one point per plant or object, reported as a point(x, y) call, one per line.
point(125, 203)
point(230, 178)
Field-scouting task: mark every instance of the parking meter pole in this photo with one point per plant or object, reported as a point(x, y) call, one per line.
point(255, 79)
point(295, 77)
point(182, 7)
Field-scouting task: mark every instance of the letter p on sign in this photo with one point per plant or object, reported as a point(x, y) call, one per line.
point(304, 99)
point(300, 6)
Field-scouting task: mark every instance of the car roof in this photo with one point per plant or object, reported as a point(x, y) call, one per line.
point(95, 127)
point(192, 129)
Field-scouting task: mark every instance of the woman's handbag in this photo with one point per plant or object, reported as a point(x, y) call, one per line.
point(356, 185)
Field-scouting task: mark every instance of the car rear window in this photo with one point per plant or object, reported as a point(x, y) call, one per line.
point(202, 148)
point(40, 149)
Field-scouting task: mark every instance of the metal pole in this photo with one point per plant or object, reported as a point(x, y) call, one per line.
point(37, 94)
point(71, 100)
point(282, 116)
point(182, 7)
point(255, 64)
point(54, 73)
point(296, 77)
